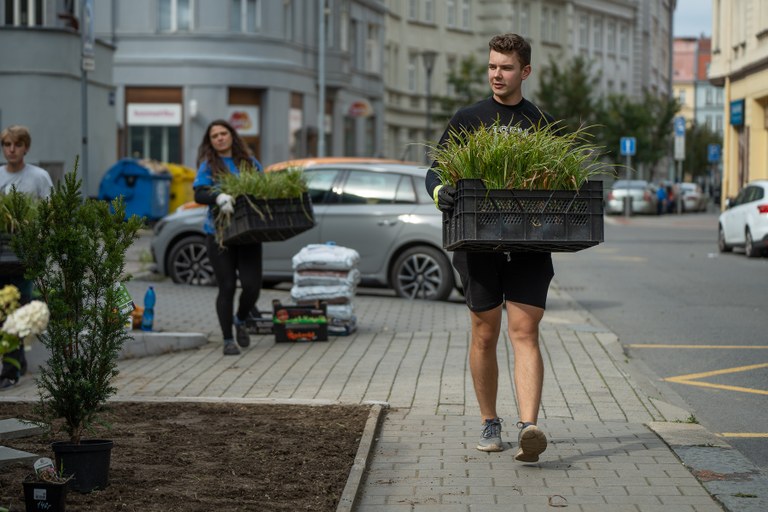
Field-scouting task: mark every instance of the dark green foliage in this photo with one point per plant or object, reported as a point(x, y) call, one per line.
point(568, 93)
point(74, 250)
point(697, 140)
point(469, 82)
point(648, 120)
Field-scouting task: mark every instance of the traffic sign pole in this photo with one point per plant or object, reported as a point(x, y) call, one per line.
point(627, 147)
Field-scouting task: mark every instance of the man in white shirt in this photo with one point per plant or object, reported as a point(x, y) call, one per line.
point(36, 182)
point(27, 178)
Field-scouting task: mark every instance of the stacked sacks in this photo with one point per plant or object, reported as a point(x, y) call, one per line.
point(328, 272)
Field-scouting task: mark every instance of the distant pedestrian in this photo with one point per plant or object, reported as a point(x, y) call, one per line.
point(661, 200)
point(517, 282)
point(35, 182)
point(223, 152)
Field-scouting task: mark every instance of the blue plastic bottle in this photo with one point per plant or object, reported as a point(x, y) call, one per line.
point(149, 310)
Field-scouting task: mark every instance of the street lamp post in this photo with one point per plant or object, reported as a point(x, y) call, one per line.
point(429, 57)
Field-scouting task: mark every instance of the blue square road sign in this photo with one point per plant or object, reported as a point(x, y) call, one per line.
point(628, 146)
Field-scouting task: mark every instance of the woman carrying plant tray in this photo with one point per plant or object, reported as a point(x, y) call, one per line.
point(517, 281)
point(222, 153)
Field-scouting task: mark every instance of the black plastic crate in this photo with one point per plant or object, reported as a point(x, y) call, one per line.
point(524, 220)
point(268, 220)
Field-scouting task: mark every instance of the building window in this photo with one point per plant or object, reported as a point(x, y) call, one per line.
point(611, 32)
point(523, 19)
point(708, 95)
point(25, 13)
point(245, 16)
point(175, 15)
point(681, 96)
point(624, 40)
point(413, 61)
point(429, 11)
point(353, 53)
point(719, 124)
point(450, 13)
point(288, 19)
point(465, 19)
point(554, 24)
point(544, 24)
point(372, 51)
point(598, 35)
point(584, 32)
point(413, 9)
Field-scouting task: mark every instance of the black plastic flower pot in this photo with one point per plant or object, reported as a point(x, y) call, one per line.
point(87, 462)
point(40, 495)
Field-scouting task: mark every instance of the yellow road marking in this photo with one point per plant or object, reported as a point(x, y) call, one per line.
point(660, 345)
point(689, 379)
point(745, 435)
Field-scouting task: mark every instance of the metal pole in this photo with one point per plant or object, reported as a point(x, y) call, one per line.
point(321, 81)
point(84, 133)
point(678, 192)
point(429, 105)
point(628, 198)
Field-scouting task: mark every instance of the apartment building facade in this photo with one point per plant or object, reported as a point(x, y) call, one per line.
point(628, 42)
point(167, 68)
point(740, 66)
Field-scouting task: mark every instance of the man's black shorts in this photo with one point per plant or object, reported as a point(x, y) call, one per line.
point(490, 278)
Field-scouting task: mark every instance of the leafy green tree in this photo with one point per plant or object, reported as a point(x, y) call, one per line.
point(568, 92)
point(648, 120)
point(470, 85)
point(697, 138)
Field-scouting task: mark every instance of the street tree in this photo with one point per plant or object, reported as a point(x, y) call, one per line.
point(568, 92)
point(468, 84)
point(697, 139)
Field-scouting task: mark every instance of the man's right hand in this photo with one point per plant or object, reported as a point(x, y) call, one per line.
point(445, 198)
point(226, 203)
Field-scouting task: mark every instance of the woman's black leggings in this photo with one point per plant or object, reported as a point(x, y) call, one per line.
point(229, 263)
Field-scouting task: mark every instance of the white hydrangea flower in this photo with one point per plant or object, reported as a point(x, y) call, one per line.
point(29, 319)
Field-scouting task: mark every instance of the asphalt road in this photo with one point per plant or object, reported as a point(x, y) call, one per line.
point(697, 318)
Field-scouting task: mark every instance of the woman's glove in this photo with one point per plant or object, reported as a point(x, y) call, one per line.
point(226, 203)
point(445, 197)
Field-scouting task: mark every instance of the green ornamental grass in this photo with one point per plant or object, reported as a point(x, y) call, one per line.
point(509, 158)
point(256, 187)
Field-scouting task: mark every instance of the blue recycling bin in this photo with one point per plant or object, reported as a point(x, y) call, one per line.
point(146, 191)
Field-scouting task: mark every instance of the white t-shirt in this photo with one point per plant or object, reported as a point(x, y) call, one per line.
point(30, 180)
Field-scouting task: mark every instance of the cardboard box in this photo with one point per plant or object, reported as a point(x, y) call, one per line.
point(300, 323)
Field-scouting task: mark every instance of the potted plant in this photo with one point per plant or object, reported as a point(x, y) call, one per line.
point(46, 488)
point(74, 251)
point(269, 207)
point(521, 190)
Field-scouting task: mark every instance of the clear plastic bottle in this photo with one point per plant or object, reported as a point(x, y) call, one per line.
point(149, 309)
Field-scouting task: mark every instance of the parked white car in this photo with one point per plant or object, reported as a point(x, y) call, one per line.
point(744, 223)
point(694, 199)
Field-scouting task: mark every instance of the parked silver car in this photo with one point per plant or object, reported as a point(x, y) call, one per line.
point(380, 208)
point(641, 193)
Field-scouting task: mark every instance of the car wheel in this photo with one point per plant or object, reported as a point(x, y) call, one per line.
point(422, 273)
point(721, 245)
point(749, 246)
point(188, 262)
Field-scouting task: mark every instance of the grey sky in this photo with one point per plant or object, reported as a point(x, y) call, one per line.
point(692, 18)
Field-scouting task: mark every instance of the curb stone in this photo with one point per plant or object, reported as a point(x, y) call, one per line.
point(352, 488)
point(727, 475)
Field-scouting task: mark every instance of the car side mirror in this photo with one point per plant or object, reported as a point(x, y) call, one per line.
point(729, 201)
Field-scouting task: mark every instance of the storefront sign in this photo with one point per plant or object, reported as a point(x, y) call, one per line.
point(737, 113)
point(154, 114)
point(244, 119)
point(360, 108)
